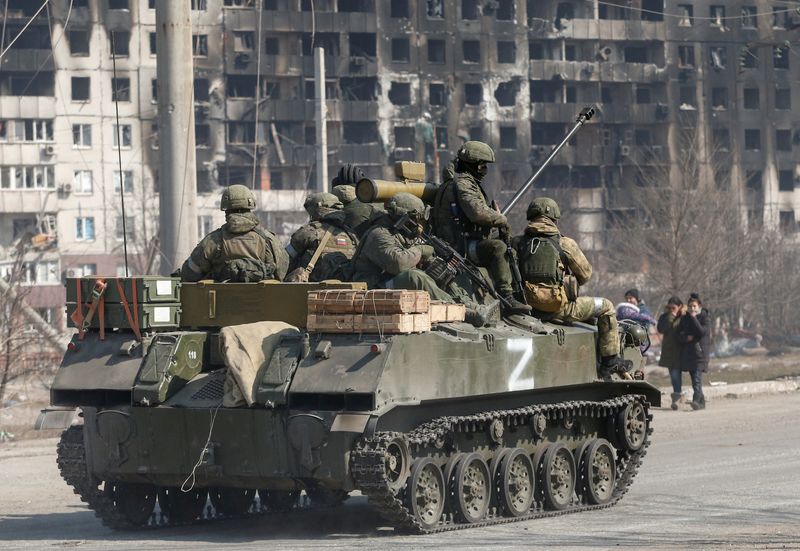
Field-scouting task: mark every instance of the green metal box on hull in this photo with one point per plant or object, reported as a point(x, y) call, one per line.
point(155, 316)
point(148, 289)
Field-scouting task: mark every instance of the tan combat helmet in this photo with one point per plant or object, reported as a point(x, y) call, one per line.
point(237, 197)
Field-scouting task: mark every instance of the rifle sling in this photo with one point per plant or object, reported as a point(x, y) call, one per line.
point(317, 253)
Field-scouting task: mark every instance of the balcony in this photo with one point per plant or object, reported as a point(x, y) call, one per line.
point(592, 71)
point(607, 29)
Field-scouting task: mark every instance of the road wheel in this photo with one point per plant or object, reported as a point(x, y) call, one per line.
point(135, 502)
point(515, 483)
point(558, 477)
point(631, 427)
point(278, 501)
point(599, 472)
point(425, 493)
point(472, 489)
point(231, 502)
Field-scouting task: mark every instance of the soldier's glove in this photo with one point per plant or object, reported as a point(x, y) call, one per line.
point(505, 232)
point(426, 253)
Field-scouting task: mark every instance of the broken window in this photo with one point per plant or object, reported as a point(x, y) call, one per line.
point(435, 9)
point(636, 54)
point(119, 42)
point(362, 44)
point(120, 89)
point(473, 93)
point(535, 50)
point(200, 5)
point(202, 135)
point(404, 137)
point(642, 137)
point(475, 133)
point(719, 99)
point(327, 41)
point(505, 10)
point(719, 57)
point(399, 8)
point(652, 10)
point(240, 86)
point(506, 93)
point(564, 12)
point(685, 12)
point(200, 45)
point(780, 57)
point(401, 50)
point(643, 95)
point(441, 137)
point(748, 57)
point(570, 52)
point(687, 97)
point(471, 50)
point(470, 10)
point(239, 3)
point(508, 137)
point(546, 133)
point(360, 132)
point(783, 140)
point(785, 180)
point(783, 98)
point(685, 56)
point(359, 88)
point(153, 44)
point(272, 46)
point(752, 139)
point(753, 180)
point(241, 132)
point(243, 41)
point(570, 94)
point(355, 6)
point(80, 89)
point(542, 91)
point(400, 93)
point(436, 51)
point(269, 89)
point(201, 89)
point(118, 4)
point(437, 94)
point(79, 43)
point(751, 99)
point(506, 51)
point(779, 17)
point(122, 132)
point(749, 17)
point(717, 15)
point(605, 94)
point(721, 139)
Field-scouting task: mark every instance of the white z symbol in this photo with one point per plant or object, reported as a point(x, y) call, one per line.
point(514, 381)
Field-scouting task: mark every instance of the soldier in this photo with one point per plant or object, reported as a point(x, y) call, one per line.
point(322, 248)
point(357, 214)
point(462, 216)
point(241, 250)
point(388, 257)
point(546, 258)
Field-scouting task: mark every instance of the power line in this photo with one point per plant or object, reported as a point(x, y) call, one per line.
point(691, 17)
point(115, 91)
point(28, 24)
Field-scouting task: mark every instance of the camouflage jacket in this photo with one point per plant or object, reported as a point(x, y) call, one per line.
point(384, 253)
point(241, 250)
point(576, 261)
point(461, 211)
point(339, 249)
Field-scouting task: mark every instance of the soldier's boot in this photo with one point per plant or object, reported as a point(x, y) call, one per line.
point(481, 315)
point(512, 306)
point(698, 403)
point(676, 400)
point(615, 364)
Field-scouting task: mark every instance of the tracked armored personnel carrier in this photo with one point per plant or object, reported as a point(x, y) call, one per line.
point(440, 424)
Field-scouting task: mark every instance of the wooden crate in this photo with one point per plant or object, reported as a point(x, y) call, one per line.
point(377, 302)
point(442, 312)
point(363, 323)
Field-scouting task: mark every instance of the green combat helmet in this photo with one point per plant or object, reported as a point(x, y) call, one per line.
point(318, 205)
point(544, 206)
point(475, 152)
point(237, 197)
point(405, 203)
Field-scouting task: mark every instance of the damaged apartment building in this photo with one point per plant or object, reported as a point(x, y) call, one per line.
point(406, 80)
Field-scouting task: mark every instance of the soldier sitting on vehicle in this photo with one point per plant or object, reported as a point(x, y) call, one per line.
point(322, 248)
point(546, 260)
point(463, 217)
point(358, 214)
point(239, 251)
point(390, 258)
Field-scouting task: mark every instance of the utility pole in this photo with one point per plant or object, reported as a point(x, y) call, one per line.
point(321, 118)
point(177, 167)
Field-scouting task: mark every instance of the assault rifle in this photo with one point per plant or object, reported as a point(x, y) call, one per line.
point(454, 260)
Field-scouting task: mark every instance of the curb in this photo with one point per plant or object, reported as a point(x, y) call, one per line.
point(743, 390)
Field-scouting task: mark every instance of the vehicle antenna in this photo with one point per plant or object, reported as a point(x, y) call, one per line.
point(116, 90)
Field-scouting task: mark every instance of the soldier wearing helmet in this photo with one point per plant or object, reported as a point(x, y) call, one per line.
point(239, 251)
point(390, 258)
point(549, 262)
point(322, 248)
point(463, 217)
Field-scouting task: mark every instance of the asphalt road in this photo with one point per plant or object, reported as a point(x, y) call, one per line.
point(724, 478)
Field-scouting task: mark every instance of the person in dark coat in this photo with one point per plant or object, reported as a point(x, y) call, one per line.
point(670, 347)
point(694, 336)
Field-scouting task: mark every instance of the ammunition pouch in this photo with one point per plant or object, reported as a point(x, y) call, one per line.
point(245, 270)
point(545, 297)
point(440, 272)
point(571, 287)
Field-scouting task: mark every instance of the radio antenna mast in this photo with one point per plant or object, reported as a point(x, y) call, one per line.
point(115, 90)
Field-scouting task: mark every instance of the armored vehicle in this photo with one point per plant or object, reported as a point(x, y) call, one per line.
point(210, 400)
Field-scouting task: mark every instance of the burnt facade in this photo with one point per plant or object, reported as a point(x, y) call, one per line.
point(406, 80)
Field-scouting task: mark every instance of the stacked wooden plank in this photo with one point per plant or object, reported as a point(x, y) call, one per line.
point(380, 311)
point(443, 312)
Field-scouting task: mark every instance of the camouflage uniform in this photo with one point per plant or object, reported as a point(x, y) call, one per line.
point(241, 250)
point(573, 259)
point(338, 250)
point(357, 214)
point(462, 217)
